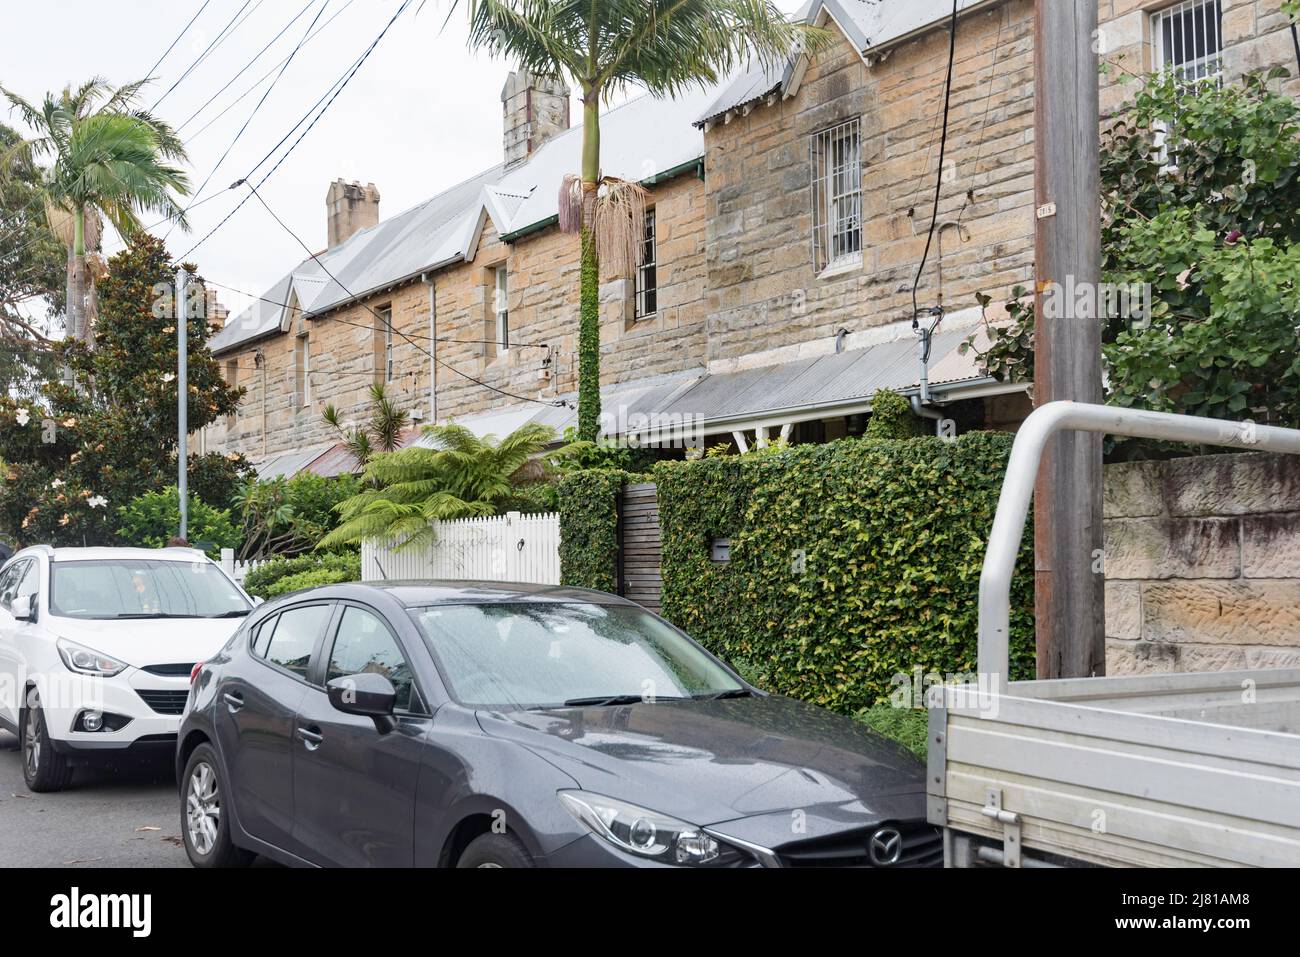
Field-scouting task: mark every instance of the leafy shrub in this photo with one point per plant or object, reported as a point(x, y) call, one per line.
point(892, 417)
point(851, 562)
point(289, 516)
point(152, 519)
point(908, 726)
point(265, 581)
point(309, 579)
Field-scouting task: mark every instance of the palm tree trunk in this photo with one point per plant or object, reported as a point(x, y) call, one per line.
point(77, 325)
point(589, 310)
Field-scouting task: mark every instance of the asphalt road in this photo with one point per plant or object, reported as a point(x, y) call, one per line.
point(106, 818)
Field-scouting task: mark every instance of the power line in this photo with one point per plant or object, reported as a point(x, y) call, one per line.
point(269, 90)
point(225, 32)
point(388, 322)
point(184, 30)
point(988, 102)
point(943, 147)
point(247, 66)
point(338, 87)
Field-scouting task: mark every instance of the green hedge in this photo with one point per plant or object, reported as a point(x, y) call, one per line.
point(588, 507)
point(280, 576)
point(851, 563)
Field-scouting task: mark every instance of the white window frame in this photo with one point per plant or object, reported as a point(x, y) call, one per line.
point(385, 319)
point(835, 155)
point(501, 308)
point(649, 262)
point(303, 364)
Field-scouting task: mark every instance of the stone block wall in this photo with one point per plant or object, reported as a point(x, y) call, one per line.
point(1203, 564)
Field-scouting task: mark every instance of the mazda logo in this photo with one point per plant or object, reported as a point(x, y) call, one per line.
point(885, 847)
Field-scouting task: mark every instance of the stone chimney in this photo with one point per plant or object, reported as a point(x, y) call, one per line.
point(535, 110)
point(350, 208)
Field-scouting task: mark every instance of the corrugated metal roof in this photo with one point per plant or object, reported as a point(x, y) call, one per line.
point(866, 24)
point(289, 464)
point(260, 319)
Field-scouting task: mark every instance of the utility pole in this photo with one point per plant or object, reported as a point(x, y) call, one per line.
point(182, 399)
point(1068, 538)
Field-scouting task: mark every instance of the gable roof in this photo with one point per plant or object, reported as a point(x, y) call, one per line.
point(642, 140)
point(867, 26)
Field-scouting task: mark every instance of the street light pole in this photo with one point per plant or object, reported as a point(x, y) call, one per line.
point(182, 399)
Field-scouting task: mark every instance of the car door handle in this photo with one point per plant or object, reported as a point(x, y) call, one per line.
point(311, 738)
point(233, 701)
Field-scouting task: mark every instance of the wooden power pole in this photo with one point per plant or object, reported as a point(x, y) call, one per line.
point(1070, 593)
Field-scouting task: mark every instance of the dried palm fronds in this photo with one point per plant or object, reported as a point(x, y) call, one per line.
point(571, 204)
point(62, 221)
point(620, 225)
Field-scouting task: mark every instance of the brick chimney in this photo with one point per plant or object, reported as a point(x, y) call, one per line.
point(350, 208)
point(535, 111)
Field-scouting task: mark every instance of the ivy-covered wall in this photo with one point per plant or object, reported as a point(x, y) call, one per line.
point(850, 563)
point(588, 507)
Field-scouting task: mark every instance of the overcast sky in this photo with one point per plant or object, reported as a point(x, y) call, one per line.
point(422, 114)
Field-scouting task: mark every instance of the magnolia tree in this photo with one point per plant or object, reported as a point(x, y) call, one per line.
point(75, 453)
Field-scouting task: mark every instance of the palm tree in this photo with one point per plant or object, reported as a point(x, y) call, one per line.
point(664, 46)
point(461, 476)
point(108, 159)
point(382, 433)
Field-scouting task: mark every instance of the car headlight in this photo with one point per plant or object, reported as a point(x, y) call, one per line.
point(648, 833)
point(86, 661)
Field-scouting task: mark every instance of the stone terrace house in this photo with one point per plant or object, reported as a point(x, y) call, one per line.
point(790, 210)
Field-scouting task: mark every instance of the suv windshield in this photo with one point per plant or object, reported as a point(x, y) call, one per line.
point(136, 588)
point(534, 655)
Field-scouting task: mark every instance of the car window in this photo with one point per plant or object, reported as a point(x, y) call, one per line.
point(9, 583)
point(364, 645)
point(29, 582)
point(143, 588)
point(296, 630)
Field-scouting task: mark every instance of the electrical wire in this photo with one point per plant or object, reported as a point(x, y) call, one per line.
point(338, 87)
point(260, 103)
point(938, 185)
point(184, 30)
point(220, 38)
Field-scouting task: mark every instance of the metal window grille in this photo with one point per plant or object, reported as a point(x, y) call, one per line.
point(837, 194)
point(1189, 39)
point(647, 274)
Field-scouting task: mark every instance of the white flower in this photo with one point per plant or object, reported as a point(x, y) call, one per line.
point(23, 416)
point(57, 483)
point(169, 377)
point(97, 502)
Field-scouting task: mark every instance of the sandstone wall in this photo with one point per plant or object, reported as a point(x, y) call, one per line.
point(1203, 564)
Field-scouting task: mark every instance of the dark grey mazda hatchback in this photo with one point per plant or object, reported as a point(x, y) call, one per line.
point(487, 725)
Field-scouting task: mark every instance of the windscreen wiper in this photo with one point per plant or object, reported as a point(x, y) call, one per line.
point(599, 701)
point(732, 693)
point(232, 614)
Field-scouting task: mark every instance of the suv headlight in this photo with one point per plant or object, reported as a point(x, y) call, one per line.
point(648, 833)
point(87, 661)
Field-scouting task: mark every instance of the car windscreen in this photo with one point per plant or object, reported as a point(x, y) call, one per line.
point(531, 655)
point(143, 588)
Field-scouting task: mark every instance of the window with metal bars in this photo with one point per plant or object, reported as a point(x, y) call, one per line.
point(501, 309)
point(837, 195)
point(385, 368)
point(1188, 39)
point(647, 274)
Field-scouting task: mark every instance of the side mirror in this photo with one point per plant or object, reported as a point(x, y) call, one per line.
point(366, 695)
point(24, 608)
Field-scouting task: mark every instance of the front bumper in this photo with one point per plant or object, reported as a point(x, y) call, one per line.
point(65, 698)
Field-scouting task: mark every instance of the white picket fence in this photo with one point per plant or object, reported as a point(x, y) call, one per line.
point(506, 548)
point(237, 570)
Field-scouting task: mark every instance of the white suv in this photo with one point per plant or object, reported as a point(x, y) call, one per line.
point(97, 646)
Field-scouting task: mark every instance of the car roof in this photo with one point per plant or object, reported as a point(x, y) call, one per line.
point(103, 553)
point(414, 594)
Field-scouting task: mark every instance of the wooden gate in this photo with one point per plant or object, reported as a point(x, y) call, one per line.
point(639, 546)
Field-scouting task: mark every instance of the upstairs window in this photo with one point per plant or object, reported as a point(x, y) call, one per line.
point(501, 309)
point(384, 340)
point(232, 380)
point(302, 369)
point(647, 274)
point(1188, 39)
point(837, 195)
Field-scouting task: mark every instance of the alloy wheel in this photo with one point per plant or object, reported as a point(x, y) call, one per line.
point(203, 808)
point(32, 743)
